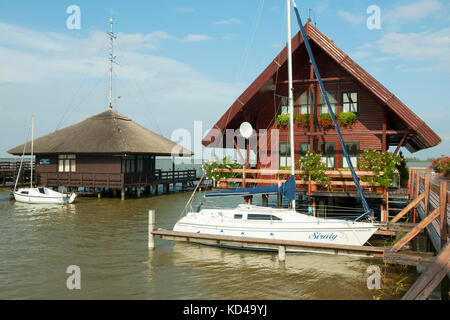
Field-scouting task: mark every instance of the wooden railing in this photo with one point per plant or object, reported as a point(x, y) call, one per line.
point(12, 166)
point(341, 180)
point(160, 176)
point(114, 180)
point(430, 203)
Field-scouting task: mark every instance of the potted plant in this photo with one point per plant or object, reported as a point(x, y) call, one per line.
point(325, 120)
point(441, 165)
point(403, 170)
point(225, 163)
point(313, 168)
point(282, 120)
point(383, 165)
point(303, 120)
point(286, 176)
point(347, 119)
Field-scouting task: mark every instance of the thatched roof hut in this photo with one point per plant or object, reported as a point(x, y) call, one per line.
point(108, 132)
point(107, 150)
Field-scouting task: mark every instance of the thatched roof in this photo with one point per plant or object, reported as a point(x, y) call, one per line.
point(108, 132)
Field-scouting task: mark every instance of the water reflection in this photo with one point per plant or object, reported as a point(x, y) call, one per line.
point(107, 239)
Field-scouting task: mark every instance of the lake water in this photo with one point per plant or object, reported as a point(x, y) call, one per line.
point(107, 239)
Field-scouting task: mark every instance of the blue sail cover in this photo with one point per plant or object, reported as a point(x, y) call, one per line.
point(287, 189)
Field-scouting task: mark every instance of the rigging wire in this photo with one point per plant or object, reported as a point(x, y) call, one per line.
point(254, 28)
point(87, 96)
point(66, 114)
point(21, 161)
point(147, 111)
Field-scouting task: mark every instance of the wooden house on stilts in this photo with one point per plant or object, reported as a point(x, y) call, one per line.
point(383, 121)
point(105, 151)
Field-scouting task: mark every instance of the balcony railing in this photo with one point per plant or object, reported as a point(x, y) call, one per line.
point(114, 180)
point(341, 180)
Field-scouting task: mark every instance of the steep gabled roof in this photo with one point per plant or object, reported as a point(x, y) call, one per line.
point(423, 138)
point(108, 132)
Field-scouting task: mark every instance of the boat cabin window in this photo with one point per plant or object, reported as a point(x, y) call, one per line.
point(24, 192)
point(41, 190)
point(262, 217)
point(238, 216)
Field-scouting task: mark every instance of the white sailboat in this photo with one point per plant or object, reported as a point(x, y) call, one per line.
point(39, 194)
point(275, 223)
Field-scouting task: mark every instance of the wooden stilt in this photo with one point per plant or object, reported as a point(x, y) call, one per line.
point(281, 253)
point(151, 227)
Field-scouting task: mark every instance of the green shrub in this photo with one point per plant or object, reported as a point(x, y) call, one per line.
point(384, 165)
point(347, 118)
point(283, 120)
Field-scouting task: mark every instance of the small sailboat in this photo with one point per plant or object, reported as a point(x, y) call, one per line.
point(277, 223)
point(39, 194)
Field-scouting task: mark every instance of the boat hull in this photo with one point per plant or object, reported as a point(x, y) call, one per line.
point(292, 227)
point(34, 196)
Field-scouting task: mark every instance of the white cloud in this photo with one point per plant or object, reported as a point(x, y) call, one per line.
point(413, 11)
point(139, 40)
point(196, 37)
point(350, 17)
point(360, 55)
point(228, 21)
point(154, 89)
point(427, 47)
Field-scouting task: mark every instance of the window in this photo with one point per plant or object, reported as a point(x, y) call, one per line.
point(304, 148)
point(262, 217)
point(284, 105)
point(353, 153)
point(332, 97)
point(285, 154)
point(350, 101)
point(238, 216)
point(129, 164)
point(304, 102)
point(66, 163)
point(328, 153)
point(140, 164)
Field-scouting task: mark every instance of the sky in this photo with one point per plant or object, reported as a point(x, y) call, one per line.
point(180, 61)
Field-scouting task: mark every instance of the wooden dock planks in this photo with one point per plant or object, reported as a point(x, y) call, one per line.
point(431, 277)
point(274, 244)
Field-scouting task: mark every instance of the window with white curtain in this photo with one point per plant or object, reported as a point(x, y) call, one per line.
point(350, 101)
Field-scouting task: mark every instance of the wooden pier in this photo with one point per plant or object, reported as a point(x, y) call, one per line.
point(9, 170)
point(97, 183)
point(427, 212)
point(282, 246)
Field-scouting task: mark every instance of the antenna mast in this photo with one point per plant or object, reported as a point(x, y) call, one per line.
point(111, 60)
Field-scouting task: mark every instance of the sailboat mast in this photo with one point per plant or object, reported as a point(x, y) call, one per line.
point(290, 93)
point(111, 60)
point(32, 147)
point(367, 210)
